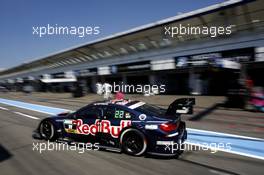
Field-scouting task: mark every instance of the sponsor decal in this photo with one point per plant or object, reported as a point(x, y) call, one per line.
point(151, 127)
point(104, 126)
point(142, 117)
point(127, 115)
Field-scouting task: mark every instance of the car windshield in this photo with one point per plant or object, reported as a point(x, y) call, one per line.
point(151, 110)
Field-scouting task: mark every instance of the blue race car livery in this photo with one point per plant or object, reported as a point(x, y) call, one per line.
point(133, 127)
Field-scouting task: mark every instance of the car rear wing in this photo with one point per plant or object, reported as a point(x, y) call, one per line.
point(181, 106)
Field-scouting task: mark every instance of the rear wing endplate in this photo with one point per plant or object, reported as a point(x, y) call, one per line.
point(181, 106)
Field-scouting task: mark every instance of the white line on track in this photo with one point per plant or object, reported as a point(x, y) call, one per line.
point(225, 150)
point(226, 134)
point(25, 115)
point(4, 108)
point(218, 172)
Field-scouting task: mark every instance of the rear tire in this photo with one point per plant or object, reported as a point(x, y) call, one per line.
point(180, 151)
point(47, 130)
point(133, 142)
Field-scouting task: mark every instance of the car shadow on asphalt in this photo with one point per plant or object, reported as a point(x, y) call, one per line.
point(212, 168)
point(4, 154)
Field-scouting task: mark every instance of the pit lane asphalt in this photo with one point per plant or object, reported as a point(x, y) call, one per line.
point(17, 155)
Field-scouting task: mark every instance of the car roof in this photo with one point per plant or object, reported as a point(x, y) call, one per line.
point(132, 104)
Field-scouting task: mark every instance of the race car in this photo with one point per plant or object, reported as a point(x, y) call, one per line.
point(133, 127)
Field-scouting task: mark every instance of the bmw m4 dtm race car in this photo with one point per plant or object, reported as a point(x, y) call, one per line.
point(132, 127)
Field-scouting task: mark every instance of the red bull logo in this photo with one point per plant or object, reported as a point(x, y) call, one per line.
point(104, 126)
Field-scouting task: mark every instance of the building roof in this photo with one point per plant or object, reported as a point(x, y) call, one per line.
point(138, 39)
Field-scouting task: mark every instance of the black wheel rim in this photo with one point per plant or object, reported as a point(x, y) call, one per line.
point(46, 130)
point(133, 144)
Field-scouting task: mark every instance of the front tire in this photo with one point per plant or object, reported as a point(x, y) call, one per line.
point(47, 130)
point(133, 142)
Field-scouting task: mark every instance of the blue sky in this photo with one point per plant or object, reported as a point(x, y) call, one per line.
point(17, 17)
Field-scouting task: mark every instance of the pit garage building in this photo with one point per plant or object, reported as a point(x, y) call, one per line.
point(186, 64)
